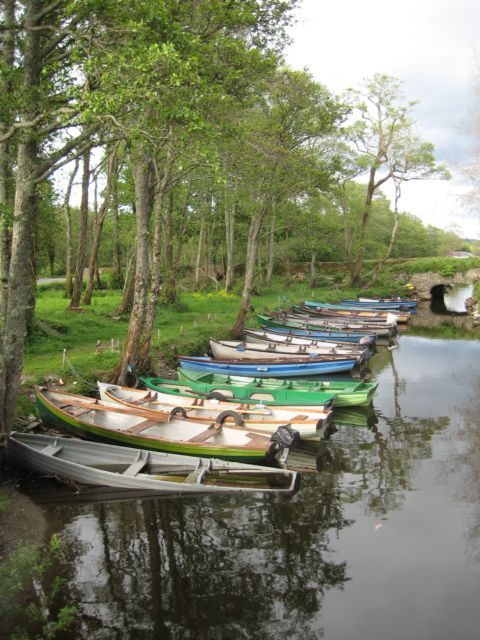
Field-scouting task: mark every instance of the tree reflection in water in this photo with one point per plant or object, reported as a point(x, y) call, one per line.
point(213, 567)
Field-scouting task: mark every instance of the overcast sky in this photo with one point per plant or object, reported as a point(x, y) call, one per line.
point(432, 46)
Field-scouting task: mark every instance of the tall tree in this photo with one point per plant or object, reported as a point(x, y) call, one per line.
point(281, 158)
point(385, 147)
point(45, 93)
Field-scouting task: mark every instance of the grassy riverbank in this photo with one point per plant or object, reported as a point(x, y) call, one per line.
point(93, 338)
point(182, 328)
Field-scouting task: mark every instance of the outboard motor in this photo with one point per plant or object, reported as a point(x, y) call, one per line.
point(283, 440)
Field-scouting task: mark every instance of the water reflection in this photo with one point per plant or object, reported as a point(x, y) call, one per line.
point(388, 509)
point(209, 567)
point(456, 295)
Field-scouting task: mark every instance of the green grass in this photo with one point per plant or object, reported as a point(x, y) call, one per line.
point(183, 328)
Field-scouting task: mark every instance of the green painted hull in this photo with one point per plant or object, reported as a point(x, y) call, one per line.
point(355, 417)
point(284, 392)
point(54, 417)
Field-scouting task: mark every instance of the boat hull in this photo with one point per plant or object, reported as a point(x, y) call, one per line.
point(302, 392)
point(55, 417)
point(267, 369)
point(107, 465)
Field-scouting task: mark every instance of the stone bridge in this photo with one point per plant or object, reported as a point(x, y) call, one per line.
point(426, 283)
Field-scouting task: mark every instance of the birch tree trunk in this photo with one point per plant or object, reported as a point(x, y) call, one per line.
point(142, 175)
point(252, 250)
point(7, 53)
point(198, 259)
point(229, 240)
point(68, 232)
point(17, 304)
point(367, 210)
point(393, 236)
point(313, 270)
point(288, 265)
point(170, 290)
point(155, 263)
point(117, 254)
point(270, 253)
point(128, 287)
point(82, 236)
point(97, 233)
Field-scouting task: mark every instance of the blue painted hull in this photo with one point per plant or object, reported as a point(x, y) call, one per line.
point(323, 335)
point(265, 369)
point(351, 305)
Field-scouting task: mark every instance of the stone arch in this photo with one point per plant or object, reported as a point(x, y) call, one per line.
point(425, 282)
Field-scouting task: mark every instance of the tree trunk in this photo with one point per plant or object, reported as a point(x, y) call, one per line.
point(252, 250)
point(82, 236)
point(7, 54)
point(393, 235)
point(20, 276)
point(356, 276)
point(155, 267)
point(210, 255)
point(288, 265)
point(117, 254)
point(229, 240)
point(97, 234)
point(142, 175)
point(170, 291)
point(198, 260)
point(347, 234)
point(313, 270)
point(270, 253)
point(128, 287)
point(69, 237)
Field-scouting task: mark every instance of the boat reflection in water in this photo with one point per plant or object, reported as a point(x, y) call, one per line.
point(388, 511)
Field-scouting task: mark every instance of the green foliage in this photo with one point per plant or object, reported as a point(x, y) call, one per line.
point(24, 576)
point(445, 266)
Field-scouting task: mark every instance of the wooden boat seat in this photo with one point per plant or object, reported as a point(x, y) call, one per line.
point(52, 449)
point(300, 416)
point(138, 428)
point(205, 435)
point(197, 475)
point(81, 412)
point(138, 465)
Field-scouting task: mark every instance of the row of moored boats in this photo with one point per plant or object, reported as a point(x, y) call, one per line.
point(227, 416)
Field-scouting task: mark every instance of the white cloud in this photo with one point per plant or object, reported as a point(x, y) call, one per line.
point(430, 45)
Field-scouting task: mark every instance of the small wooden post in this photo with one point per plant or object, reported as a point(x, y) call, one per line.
point(181, 329)
point(98, 347)
point(64, 358)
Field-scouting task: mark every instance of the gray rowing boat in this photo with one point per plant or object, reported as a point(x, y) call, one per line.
point(107, 465)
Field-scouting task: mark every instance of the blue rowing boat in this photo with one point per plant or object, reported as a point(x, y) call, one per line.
point(268, 369)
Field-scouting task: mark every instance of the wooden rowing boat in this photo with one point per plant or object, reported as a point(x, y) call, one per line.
point(353, 313)
point(330, 335)
point(296, 321)
point(275, 367)
point(347, 392)
point(308, 424)
point(224, 349)
point(249, 391)
point(97, 420)
point(339, 347)
point(107, 465)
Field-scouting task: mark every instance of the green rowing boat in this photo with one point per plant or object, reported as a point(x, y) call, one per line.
point(269, 391)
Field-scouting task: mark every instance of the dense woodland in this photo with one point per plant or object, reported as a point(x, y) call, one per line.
point(194, 151)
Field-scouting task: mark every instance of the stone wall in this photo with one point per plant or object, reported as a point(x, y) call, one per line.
point(424, 282)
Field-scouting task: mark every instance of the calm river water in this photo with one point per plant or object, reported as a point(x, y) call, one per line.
point(383, 541)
